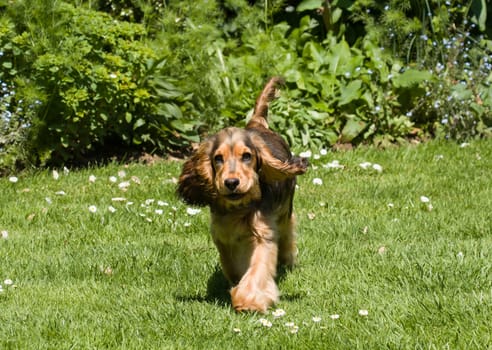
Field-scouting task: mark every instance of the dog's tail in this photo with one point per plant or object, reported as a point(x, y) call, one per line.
point(261, 108)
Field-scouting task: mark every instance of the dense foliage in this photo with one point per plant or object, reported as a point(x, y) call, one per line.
point(83, 79)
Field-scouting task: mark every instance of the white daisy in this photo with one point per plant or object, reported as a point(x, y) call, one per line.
point(92, 208)
point(265, 323)
point(365, 165)
point(278, 313)
point(124, 185)
point(306, 154)
point(363, 312)
point(377, 167)
point(13, 179)
point(193, 211)
point(333, 165)
point(424, 199)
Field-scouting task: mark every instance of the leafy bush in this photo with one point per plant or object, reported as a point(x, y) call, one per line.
point(444, 46)
point(90, 77)
point(97, 85)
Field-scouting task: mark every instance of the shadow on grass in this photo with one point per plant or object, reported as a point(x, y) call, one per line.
point(218, 289)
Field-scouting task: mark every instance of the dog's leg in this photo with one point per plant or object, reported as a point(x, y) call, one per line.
point(287, 246)
point(257, 290)
point(234, 260)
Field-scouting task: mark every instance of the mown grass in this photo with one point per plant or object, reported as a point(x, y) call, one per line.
point(137, 278)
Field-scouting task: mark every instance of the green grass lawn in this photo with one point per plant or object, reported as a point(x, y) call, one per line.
point(120, 263)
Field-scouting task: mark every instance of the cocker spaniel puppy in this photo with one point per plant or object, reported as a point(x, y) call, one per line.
point(247, 177)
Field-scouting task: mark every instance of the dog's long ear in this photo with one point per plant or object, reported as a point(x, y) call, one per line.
point(275, 161)
point(195, 185)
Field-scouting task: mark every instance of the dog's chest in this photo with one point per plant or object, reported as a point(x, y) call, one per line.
point(235, 229)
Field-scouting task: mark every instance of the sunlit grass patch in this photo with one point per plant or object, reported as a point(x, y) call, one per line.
point(90, 263)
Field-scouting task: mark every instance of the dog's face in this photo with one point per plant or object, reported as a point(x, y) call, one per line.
point(227, 170)
point(235, 162)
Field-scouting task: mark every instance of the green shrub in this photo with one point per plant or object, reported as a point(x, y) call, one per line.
point(82, 78)
point(96, 83)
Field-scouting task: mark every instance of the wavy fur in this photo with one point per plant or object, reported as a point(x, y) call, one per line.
point(247, 178)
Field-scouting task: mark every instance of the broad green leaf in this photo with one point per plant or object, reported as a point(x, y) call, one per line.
point(339, 54)
point(140, 122)
point(353, 127)
point(182, 126)
point(461, 92)
point(309, 5)
point(351, 92)
point(478, 10)
point(411, 77)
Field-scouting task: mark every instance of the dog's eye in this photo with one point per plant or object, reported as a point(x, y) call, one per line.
point(219, 159)
point(246, 157)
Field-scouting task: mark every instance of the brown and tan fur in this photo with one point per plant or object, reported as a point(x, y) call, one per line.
point(247, 177)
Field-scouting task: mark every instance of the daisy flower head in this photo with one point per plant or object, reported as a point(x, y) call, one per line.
point(193, 211)
point(92, 209)
point(424, 199)
point(13, 179)
point(92, 178)
point(124, 185)
point(306, 154)
point(363, 312)
point(317, 181)
point(294, 329)
point(377, 167)
point(265, 323)
point(278, 313)
point(427, 202)
point(335, 164)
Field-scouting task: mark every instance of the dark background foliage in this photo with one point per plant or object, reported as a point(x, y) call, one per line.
point(82, 80)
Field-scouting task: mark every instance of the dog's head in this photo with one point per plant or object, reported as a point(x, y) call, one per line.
point(227, 169)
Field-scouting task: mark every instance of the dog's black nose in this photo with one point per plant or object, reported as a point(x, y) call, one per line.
point(231, 183)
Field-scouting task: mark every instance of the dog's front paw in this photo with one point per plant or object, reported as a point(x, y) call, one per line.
point(248, 298)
